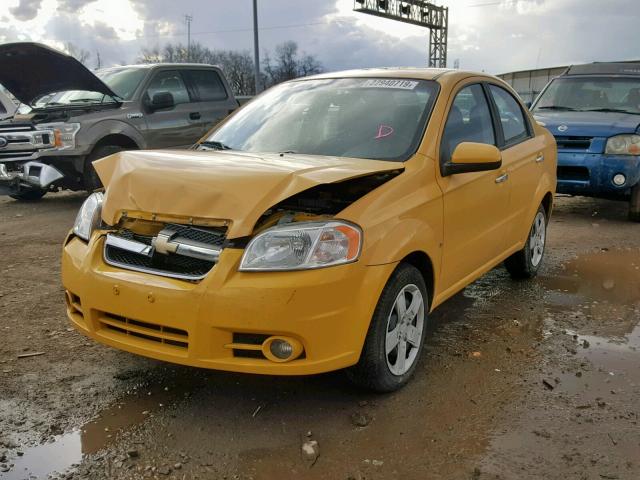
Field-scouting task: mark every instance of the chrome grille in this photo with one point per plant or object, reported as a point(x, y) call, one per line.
point(172, 265)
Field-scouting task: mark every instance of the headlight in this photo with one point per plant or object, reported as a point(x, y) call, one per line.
point(88, 217)
point(64, 134)
point(623, 145)
point(303, 246)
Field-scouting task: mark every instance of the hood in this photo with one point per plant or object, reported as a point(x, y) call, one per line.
point(588, 124)
point(233, 186)
point(30, 70)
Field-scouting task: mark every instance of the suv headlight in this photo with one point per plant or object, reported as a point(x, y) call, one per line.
point(64, 134)
point(623, 145)
point(88, 217)
point(303, 246)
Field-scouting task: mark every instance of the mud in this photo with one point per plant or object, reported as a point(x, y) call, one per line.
point(525, 380)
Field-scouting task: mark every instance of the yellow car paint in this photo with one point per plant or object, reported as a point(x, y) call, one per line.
point(454, 227)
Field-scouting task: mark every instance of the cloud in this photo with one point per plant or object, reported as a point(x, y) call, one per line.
point(491, 35)
point(26, 9)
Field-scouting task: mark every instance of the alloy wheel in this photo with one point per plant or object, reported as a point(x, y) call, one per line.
point(404, 330)
point(537, 238)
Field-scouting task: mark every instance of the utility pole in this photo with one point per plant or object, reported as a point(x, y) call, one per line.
point(188, 19)
point(256, 47)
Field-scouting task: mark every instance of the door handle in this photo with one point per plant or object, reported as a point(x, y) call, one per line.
point(502, 178)
point(540, 158)
point(194, 115)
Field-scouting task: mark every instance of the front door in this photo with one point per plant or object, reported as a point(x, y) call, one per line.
point(475, 204)
point(176, 126)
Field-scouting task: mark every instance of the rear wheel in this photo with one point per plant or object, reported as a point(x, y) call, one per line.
point(29, 195)
point(526, 262)
point(90, 176)
point(394, 342)
point(634, 204)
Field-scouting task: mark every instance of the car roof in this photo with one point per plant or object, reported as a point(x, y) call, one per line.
point(441, 75)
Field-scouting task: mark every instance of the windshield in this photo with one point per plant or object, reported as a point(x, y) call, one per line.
point(605, 94)
point(369, 118)
point(122, 81)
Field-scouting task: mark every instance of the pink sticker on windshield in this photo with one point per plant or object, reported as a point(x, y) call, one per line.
point(384, 131)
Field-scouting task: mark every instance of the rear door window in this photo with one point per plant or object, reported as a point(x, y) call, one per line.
point(514, 125)
point(207, 84)
point(169, 81)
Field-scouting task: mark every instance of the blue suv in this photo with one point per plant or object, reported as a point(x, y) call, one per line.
point(594, 113)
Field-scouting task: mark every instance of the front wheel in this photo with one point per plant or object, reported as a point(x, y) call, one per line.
point(526, 262)
point(395, 338)
point(634, 204)
point(90, 176)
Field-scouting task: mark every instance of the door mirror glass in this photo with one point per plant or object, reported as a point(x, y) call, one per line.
point(162, 100)
point(473, 157)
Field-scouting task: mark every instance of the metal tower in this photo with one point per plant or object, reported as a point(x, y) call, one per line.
point(417, 12)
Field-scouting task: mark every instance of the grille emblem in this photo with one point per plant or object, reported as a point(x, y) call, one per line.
point(563, 128)
point(3, 142)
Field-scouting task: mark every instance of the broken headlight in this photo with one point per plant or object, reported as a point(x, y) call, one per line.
point(88, 217)
point(303, 246)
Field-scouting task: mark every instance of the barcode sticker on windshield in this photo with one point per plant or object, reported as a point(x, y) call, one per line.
point(388, 83)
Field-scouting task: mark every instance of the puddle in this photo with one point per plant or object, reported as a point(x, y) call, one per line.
point(68, 449)
point(601, 291)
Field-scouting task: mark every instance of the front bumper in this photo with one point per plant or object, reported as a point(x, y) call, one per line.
point(327, 310)
point(591, 174)
point(31, 175)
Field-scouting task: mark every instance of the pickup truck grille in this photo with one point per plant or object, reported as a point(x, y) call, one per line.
point(174, 264)
point(23, 141)
point(573, 143)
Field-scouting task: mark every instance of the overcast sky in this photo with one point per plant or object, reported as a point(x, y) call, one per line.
point(489, 35)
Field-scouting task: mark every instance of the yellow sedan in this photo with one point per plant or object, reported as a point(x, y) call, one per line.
point(316, 227)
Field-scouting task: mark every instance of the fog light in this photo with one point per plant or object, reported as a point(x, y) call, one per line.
point(619, 179)
point(282, 349)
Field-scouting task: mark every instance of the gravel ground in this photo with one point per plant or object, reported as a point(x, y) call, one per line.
point(523, 380)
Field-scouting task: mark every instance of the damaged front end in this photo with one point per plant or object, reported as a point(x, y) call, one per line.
point(15, 179)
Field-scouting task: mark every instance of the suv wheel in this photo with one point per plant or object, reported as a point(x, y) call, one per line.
point(634, 204)
point(29, 195)
point(90, 176)
point(526, 262)
point(395, 339)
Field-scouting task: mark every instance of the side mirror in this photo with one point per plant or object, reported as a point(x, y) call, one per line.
point(162, 100)
point(473, 157)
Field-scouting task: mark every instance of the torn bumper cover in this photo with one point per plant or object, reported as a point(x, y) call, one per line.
point(34, 175)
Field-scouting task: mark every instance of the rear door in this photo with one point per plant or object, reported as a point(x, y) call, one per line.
point(175, 126)
point(213, 100)
point(522, 158)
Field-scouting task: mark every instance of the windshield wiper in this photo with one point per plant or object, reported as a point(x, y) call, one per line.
point(612, 110)
point(557, 107)
point(214, 145)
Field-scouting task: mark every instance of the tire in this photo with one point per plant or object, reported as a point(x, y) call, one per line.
point(29, 195)
point(379, 366)
point(634, 204)
point(90, 177)
point(526, 262)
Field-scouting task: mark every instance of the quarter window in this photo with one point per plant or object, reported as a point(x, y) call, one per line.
point(469, 121)
point(169, 81)
point(514, 126)
point(208, 85)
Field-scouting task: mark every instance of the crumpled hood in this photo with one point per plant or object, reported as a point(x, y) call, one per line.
point(30, 70)
point(233, 186)
point(588, 124)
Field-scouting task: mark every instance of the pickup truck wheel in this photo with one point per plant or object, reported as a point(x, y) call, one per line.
point(526, 262)
point(29, 195)
point(90, 176)
point(395, 338)
point(634, 204)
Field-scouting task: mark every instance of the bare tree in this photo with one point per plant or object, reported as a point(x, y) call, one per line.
point(79, 54)
point(238, 66)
